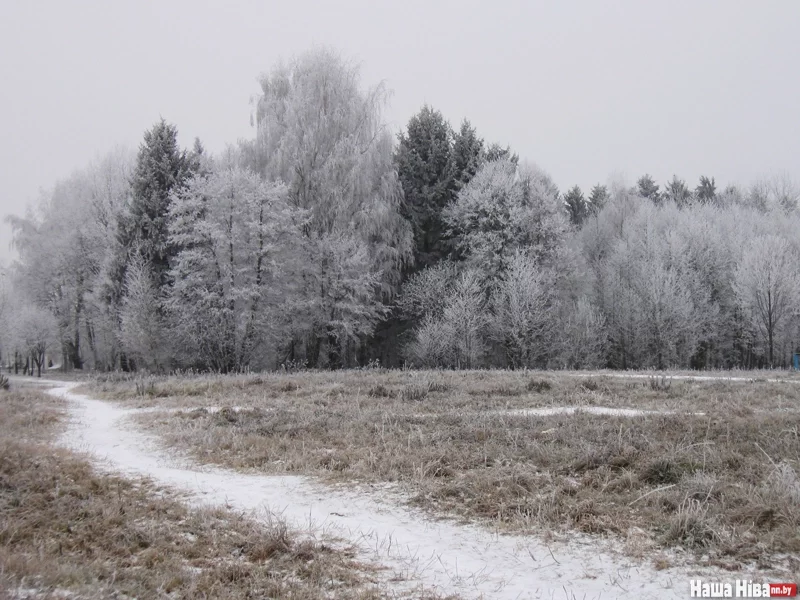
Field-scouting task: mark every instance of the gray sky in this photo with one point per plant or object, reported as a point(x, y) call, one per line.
point(584, 89)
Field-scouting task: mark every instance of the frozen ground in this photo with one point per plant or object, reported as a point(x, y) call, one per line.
point(418, 551)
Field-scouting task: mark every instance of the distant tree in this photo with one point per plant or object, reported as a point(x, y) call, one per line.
point(143, 331)
point(784, 191)
point(233, 230)
point(467, 149)
point(455, 337)
point(581, 335)
point(427, 172)
point(766, 284)
point(161, 167)
point(576, 206)
point(325, 138)
point(677, 191)
point(706, 191)
point(504, 209)
point(597, 198)
point(495, 151)
point(523, 312)
point(648, 188)
point(33, 329)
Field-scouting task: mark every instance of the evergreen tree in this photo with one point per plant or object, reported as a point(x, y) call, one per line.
point(161, 167)
point(648, 188)
point(677, 191)
point(497, 152)
point(707, 190)
point(467, 148)
point(598, 198)
point(576, 206)
point(425, 166)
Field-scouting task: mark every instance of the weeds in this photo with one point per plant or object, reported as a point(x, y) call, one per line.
point(538, 386)
point(721, 483)
point(67, 531)
point(660, 384)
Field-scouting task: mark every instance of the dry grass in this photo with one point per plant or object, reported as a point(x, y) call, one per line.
point(723, 484)
point(67, 531)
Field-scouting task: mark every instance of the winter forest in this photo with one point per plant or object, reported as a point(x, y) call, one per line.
point(327, 241)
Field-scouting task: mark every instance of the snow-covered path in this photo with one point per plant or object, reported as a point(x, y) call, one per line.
point(440, 555)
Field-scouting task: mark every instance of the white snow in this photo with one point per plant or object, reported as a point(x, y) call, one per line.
point(435, 554)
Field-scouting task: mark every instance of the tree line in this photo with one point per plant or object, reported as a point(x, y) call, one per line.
point(326, 242)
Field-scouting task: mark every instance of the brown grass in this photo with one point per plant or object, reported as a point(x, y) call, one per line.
point(724, 484)
point(65, 529)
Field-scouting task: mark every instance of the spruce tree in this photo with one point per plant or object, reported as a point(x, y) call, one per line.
point(424, 160)
point(707, 190)
point(467, 149)
point(576, 206)
point(648, 188)
point(677, 191)
point(161, 167)
point(597, 198)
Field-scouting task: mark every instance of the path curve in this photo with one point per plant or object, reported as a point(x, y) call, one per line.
point(439, 555)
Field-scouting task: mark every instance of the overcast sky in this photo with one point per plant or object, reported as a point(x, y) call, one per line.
point(584, 89)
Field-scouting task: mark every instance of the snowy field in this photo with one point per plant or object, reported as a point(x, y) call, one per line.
point(550, 485)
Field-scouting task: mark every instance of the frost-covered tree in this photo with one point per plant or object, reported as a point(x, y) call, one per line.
point(143, 332)
point(766, 285)
point(653, 317)
point(581, 339)
point(597, 198)
point(33, 330)
point(504, 209)
point(324, 137)
point(453, 333)
point(495, 151)
point(64, 244)
point(523, 316)
point(237, 262)
point(161, 167)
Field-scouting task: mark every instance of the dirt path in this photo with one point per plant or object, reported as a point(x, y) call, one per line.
point(440, 555)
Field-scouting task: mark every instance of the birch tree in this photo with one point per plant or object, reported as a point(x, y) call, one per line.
point(323, 136)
